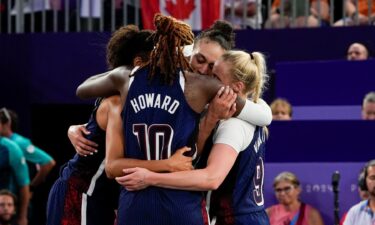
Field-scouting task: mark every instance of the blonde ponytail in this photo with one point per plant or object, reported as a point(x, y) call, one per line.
point(261, 71)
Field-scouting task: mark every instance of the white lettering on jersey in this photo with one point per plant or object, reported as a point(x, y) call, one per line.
point(151, 100)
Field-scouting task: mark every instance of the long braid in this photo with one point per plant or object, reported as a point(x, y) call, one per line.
point(170, 37)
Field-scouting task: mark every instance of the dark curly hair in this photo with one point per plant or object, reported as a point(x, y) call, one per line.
point(170, 37)
point(127, 43)
point(221, 32)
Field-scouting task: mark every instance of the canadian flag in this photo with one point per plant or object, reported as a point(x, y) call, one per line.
point(199, 14)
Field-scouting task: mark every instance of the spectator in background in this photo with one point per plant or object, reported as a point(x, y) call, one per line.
point(281, 109)
point(39, 158)
point(14, 175)
point(7, 208)
point(251, 9)
point(363, 13)
point(363, 212)
point(40, 163)
point(281, 17)
point(368, 106)
point(357, 51)
point(362, 191)
point(290, 209)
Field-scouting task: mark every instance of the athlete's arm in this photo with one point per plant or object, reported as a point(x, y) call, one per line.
point(220, 161)
point(221, 107)
point(200, 90)
point(259, 113)
point(104, 85)
point(81, 144)
point(115, 161)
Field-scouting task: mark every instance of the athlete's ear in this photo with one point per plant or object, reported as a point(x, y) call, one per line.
point(137, 61)
point(238, 86)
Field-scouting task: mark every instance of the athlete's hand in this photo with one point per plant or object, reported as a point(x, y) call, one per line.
point(134, 179)
point(82, 145)
point(223, 106)
point(179, 162)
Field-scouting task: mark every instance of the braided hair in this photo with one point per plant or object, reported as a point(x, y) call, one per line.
point(170, 37)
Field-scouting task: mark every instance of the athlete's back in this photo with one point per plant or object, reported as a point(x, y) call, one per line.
point(83, 194)
point(239, 199)
point(157, 121)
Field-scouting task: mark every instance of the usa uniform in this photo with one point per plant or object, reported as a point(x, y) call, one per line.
point(239, 199)
point(83, 194)
point(158, 121)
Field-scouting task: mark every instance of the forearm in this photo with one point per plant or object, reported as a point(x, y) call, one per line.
point(259, 114)
point(102, 85)
point(44, 170)
point(24, 201)
point(201, 181)
point(114, 168)
point(206, 126)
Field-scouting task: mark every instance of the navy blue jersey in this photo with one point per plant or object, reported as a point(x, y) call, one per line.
point(85, 167)
point(83, 194)
point(241, 193)
point(158, 121)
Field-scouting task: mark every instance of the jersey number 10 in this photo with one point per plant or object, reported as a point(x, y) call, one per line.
point(154, 140)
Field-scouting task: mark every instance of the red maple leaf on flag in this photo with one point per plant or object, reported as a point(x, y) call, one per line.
point(181, 10)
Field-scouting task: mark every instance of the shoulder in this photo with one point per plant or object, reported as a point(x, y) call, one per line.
point(235, 125)
point(120, 75)
point(22, 142)
point(235, 133)
point(204, 83)
point(12, 147)
point(274, 210)
point(19, 138)
point(199, 90)
point(10, 144)
point(270, 209)
point(312, 211)
point(120, 72)
point(313, 215)
point(358, 207)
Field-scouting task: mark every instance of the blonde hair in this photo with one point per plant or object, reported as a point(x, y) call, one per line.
point(286, 176)
point(249, 69)
point(282, 102)
point(369, 98)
